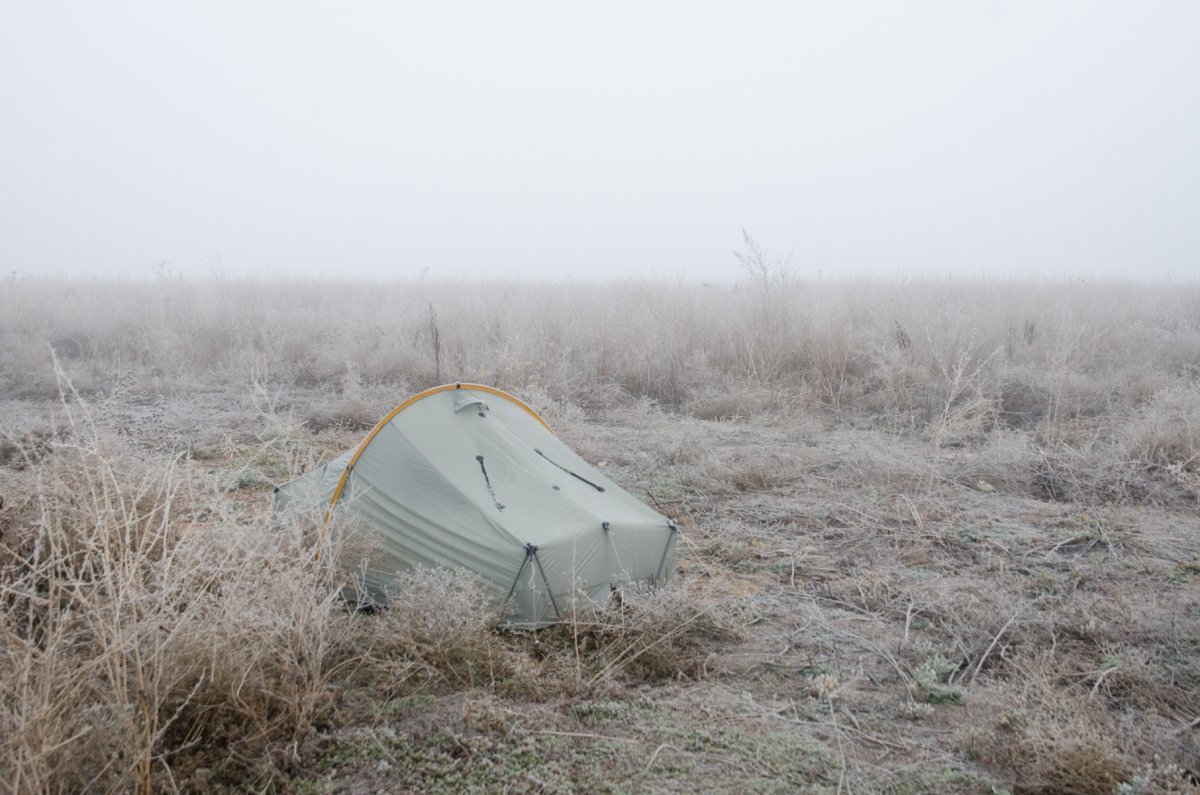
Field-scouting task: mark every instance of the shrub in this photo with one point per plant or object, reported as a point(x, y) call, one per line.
point(438, 624)
point(1166, 431)
point(130, 638)
point(645, 633)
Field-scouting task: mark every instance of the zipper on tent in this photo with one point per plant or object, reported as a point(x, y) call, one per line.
point(488, 481)
point(569, 472)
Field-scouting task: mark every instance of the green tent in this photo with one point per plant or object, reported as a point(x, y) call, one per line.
point(467, 476)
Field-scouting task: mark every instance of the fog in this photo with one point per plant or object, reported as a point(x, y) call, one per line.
point(557, 140)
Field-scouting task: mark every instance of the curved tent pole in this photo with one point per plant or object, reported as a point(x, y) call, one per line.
point(337, 492)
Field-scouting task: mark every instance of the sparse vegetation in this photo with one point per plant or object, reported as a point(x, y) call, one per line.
point(936, 537)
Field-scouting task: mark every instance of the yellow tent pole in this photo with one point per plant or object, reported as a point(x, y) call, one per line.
point(337, 493)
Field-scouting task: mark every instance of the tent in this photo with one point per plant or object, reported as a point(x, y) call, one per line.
point(467, 476)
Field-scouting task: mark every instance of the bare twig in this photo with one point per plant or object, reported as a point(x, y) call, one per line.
point(992, 645)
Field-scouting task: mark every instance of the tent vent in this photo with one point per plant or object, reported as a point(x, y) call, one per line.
point(468, 400)
point(488, 481)
point(569, 472)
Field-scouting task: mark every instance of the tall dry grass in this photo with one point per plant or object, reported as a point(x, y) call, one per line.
point(1048, 353)
point(133, 636)
point(1097, 376)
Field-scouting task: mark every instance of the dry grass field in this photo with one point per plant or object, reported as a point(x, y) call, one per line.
point(937, 536)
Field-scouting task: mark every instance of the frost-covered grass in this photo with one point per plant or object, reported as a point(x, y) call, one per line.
point(1038, 352)
point(936, 536)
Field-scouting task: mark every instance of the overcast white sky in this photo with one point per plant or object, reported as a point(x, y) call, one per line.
point(562, 140)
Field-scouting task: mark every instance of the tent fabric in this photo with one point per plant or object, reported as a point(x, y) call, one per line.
point(467, 476)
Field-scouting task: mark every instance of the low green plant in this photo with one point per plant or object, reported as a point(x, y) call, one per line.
point(932, 675)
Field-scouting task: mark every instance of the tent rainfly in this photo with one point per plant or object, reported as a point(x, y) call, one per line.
point(467, 476)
